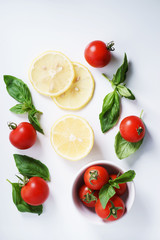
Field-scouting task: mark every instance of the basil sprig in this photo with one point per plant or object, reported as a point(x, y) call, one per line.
point(111, 103)
point(124, 148)
point(21, 205)
point(30, 167)
point(108, 191)
point(20, 92)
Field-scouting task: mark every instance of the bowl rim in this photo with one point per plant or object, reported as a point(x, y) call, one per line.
point(81, 171)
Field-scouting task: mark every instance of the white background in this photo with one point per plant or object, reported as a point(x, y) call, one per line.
point(28, 28)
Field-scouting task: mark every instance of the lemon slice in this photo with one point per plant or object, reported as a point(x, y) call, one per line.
point(80, 92)
point(72, 137)
point(52, 73)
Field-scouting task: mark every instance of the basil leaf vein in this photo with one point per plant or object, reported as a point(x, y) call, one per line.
point(124, 148)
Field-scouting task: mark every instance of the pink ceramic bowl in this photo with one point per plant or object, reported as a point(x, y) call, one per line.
point(78, 181)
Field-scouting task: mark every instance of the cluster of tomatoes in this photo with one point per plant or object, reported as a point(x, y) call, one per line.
point(95, 177)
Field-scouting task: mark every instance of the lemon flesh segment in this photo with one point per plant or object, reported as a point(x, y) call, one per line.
point(52, 73)
point(80, 92)
point(72, 137)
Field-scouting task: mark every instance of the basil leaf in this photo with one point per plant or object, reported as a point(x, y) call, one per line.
point(34, 120)
point(124, 148)
point(125, 92)
point(18, 89)
point(125, 177)
point(18, 108)
point(31, 167)
point(114, 184)
point(120, 75)
point(21, 205)
point(105, 193)
point(110, 111)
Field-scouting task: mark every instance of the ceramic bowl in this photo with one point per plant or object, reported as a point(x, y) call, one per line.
point(112, 168)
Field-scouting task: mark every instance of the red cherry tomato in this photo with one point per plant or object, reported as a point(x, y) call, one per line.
point(122, 186)
point(35, 192)
point(97, 53)
point(22, 136)
point(114, 209)
point(88, 196)
point(132, 129)
point(95, 177)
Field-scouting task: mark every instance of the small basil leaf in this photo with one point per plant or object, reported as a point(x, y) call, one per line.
point(24, 207)
point(125, 177)
point(21, 205)
point(105, 193)
point(16, 193)
point(120, 75)
point(110, 111)
point(125, 92)
point(124, 148)
point(31, 167)
point(18, 108)
point(34, 120)
point(18, 89)
point(114, 184)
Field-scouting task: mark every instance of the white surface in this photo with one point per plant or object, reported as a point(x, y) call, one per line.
point(28, 28)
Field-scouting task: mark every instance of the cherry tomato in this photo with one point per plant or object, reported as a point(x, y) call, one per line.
point(35, 192)
point(22, 136)
point(88, 196)
point(122, 186)
point(114, 209)
point(132, 129)
point(97, 53)
point(95, 177)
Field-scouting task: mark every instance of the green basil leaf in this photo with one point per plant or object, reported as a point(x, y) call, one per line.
point(24, 207)
point(31, 167)
point(16, 190)
point(114, 184)
point(34, 120)
point(105, 193)
point(18, 89)
point(110, 111)
point(18, 108)
point(124, 148)
point(21, 205)
point(120, 75)
point(125, 92)
point(125, 177)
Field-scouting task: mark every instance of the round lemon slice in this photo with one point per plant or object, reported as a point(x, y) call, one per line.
point(51, 73)
point(80, 92)
point(72, 137)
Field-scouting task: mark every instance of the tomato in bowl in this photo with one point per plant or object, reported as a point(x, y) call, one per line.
point(89, 212)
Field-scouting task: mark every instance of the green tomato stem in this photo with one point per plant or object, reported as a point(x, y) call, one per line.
point(141, 114)
point(12, 125)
